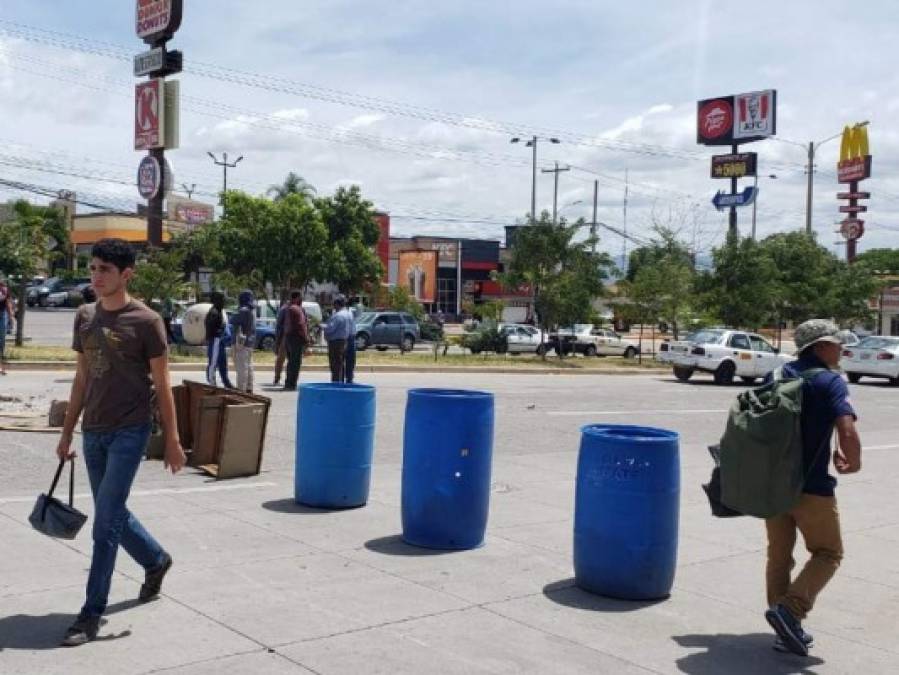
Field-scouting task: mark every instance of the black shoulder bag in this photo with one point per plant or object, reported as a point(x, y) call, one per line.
point(54, 518)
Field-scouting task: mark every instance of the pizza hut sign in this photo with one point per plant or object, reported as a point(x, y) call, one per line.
point(741, 118)
point(157, 20)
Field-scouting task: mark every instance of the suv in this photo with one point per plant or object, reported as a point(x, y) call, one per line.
point(387, 329)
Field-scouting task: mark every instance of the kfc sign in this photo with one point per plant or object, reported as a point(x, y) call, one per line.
point(157, 19)
point(755, 115)
point(729, 120)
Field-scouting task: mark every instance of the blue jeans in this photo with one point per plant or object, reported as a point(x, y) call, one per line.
point(112, 460)
point(217, 360)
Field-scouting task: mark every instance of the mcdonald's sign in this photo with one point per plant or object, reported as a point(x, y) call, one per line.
point(855, 158)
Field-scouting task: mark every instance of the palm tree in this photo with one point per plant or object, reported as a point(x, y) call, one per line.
point(294, 184)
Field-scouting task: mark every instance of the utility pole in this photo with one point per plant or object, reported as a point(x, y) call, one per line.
point(810, 170)
point(225, 166)
point(732, 216)
point(189, 190)
point(624, 226)
point(595, 204)
point(557, 170)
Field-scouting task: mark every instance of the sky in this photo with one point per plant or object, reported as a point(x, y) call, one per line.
point(416, 102)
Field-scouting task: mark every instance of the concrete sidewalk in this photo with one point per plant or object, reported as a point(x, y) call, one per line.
point(262, 585)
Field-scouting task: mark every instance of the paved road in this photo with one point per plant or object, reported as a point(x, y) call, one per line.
point(261, 585)
point(51, 326)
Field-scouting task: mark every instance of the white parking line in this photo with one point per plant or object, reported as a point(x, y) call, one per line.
point(160, 491)
point(878, 447)
point(682, 411)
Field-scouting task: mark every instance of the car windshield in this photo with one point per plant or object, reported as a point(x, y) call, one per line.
point(705, 337)
point(367, 317)
point(877, 342)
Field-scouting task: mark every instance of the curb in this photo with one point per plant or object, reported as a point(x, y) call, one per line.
point(499, 370)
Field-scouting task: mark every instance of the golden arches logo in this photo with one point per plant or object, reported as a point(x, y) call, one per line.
point(854, 144)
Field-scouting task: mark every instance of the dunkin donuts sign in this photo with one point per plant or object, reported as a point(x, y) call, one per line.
point(740, 118)
point(158, 19)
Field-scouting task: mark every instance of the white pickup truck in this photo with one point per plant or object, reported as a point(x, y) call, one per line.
point(726, 354)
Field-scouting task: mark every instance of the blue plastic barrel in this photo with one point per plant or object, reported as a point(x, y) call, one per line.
point(447, 457)
point(626, 511)
point(334, 444)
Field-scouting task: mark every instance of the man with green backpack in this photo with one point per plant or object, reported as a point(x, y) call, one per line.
point(775, 455)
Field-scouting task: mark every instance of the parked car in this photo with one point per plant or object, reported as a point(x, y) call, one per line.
point(387, 329)
point(726, 354)
point(67, 294)
point(584, 338)
point(523, 339)
point(875, 356)
point(486, 339)
point(40, 295)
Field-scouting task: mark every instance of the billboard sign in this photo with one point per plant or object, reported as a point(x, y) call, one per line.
point(418, 273)
point(149, 177)
point(149, 62)
point(756, 115)
point(734, 166)
point(157, 20)
point(741, 118)
point(855, 156)
point(190, 212)
point(149, 114)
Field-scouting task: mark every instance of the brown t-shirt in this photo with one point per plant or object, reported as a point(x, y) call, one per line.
point(112, 399)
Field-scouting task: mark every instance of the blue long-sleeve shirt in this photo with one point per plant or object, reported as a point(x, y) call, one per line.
point(339, 326)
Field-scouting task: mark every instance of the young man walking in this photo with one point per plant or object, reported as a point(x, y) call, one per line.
point(280, 344)
point(216, 337)
point(337, 332)
point(7, 320)
point(243, 328)
point(825, 407)
point(296, 338)
point(121, 346)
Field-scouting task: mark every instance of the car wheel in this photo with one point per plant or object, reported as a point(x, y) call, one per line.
point(362, 342)
point(683, 374)
point(631, 353)
point(43, 302)
point(267, 343)
point(894, 381)
point(541, 350)
point(475, 350)
point(381, 348)
point(407, 344)
point(748, 380)
point(725, 373)
point(502, 348)
point(855, 377)
point(590, 350)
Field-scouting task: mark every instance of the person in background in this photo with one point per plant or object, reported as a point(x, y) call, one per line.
point(337, 332)
point(280, 344)
point(216, 338)
point(168, 313)
point(296, 339)
point(243, 323)
point(350, 360)
point(7, 320)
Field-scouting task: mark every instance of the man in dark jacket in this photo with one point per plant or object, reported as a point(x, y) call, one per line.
point(825, 407)
point(296, 338)
point(216, 337)
point(280, 344)
point(243, 328)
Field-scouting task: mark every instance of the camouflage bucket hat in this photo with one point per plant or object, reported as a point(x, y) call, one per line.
point(816, 330)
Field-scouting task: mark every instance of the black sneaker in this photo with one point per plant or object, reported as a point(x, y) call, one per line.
point(153, 580)
point(804, 635)
point(82, 631)
point(788, 629)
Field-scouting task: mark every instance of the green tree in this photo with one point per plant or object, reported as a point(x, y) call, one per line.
point(283, 243)
point(400, 299)
point(740, 288)
point(881, 260)
point(34, 238)
point(353, 235)
point(159, 277)
point(293, 184)
point(565, 276)
point(665, 246)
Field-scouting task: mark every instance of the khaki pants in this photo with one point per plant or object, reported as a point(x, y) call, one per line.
point(818, 520)
point(243, 364)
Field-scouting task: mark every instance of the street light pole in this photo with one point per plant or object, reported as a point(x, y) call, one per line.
point(189, 190)
point(532, 143)
point(225, 166)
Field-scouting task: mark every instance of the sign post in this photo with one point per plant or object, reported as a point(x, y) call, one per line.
point(854, 166)
point(732, 120)
point(155, 118)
